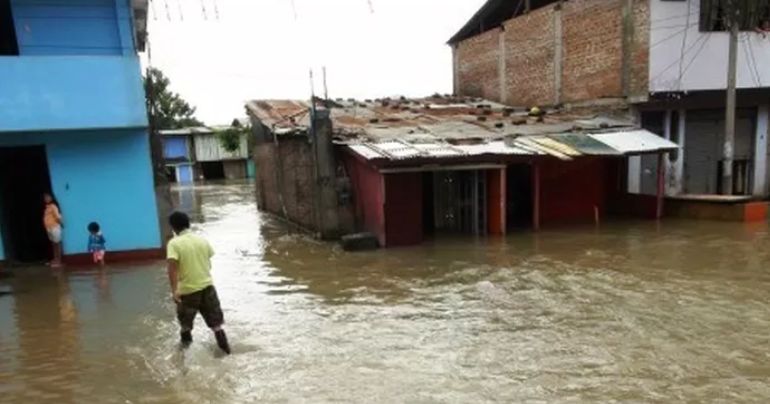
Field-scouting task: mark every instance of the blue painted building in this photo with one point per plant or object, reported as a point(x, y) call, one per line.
point(178, 156)
point(73, 122)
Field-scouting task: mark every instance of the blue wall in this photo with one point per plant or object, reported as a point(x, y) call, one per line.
point(73, 27)
point(184, 174)
point(175, 147)
point(103, 176)
point(71, 92)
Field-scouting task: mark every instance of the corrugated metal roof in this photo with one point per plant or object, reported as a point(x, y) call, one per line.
point(585, 144)
point(564, 147)
point(444, 126)
point(186, 131)
point(635, 141)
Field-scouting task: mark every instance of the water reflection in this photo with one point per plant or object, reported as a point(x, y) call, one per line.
point(634, 311)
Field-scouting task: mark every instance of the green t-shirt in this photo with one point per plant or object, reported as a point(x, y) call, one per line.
point(193, 255)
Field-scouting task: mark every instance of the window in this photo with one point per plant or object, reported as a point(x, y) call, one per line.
point(8, 44)
point(752, 16)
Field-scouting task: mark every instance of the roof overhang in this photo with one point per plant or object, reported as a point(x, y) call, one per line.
point(562, 146)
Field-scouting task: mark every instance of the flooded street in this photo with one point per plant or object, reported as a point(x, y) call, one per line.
point(630, 312)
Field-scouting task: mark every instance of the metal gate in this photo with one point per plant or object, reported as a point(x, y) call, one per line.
point(703, 150)
point(460, 201)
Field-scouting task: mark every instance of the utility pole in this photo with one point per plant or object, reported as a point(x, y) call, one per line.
point(733, 19)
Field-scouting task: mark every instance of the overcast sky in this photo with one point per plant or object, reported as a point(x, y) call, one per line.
point(265, 48)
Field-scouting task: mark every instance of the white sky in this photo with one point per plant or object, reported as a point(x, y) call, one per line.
point(258, 49)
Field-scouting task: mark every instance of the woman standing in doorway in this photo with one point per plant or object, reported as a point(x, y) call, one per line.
point(52, 220)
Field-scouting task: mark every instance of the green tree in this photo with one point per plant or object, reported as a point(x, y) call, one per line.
point(167, 109)
point(230, 138)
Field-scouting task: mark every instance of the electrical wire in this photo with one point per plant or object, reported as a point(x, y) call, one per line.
point(216, 10)
point(203, 8)
point(700, 40)
point(753, 61)
point(168, 10)
point(702, 45)
point(676, 16)
point(684, 43)
point(677, 33)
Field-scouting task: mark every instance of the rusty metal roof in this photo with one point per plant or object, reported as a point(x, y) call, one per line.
point(445, 126)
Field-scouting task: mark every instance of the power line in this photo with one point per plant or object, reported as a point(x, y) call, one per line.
point(669, 37)
point(695, 43)
point(168, 10)
point(753, 62)
point(203, 8)
point(216, 10)
point(702, 45)
point(684, 43)
point(676, 16)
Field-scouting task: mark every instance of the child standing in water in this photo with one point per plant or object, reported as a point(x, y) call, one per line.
point(189, 273)
point(52, 220)
point(96, 243)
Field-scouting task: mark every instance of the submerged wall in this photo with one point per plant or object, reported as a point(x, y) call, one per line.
point(103, 176)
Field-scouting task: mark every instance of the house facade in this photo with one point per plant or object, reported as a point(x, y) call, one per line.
point(73, 123)
point(667, 60)
point(193, 154)
point(408, 170)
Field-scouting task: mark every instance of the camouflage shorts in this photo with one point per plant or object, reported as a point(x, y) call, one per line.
point(204, 301)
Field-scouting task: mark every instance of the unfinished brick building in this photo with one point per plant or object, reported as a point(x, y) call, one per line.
point(664, 60)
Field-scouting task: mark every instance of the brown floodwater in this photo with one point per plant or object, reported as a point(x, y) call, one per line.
point(629, 312)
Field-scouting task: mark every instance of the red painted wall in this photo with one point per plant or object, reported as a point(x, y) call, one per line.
point(368, 197)
point(496, 211)
point(403, 209)
point(570, 190)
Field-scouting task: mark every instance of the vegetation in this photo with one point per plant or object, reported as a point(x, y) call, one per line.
point(230, 138)
point(167, 109)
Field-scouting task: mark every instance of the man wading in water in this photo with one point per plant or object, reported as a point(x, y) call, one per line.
point(189, 272)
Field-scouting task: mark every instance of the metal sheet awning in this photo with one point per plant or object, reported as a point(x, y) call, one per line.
point(635, 142)
point(586, 144)
point(565, 146)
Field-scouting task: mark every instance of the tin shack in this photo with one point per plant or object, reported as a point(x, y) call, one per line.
point(412, 169)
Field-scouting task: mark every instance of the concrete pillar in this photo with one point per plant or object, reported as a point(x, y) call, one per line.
point(670, 181)
point(635, 174)
point(679, 165)
point(661, 185)
point(327, 205)
point(558, 54)
point(501, 66)
point(760, 151)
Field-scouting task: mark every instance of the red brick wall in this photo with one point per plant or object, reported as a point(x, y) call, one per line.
point(640, 49)
point(477, 71)
point(593, 49)
point(529, 59)
point(592, 55)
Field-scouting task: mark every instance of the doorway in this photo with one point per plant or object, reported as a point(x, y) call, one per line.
point(24, 178)
point(459, 202)
point(213, 170)
point(519, 210)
